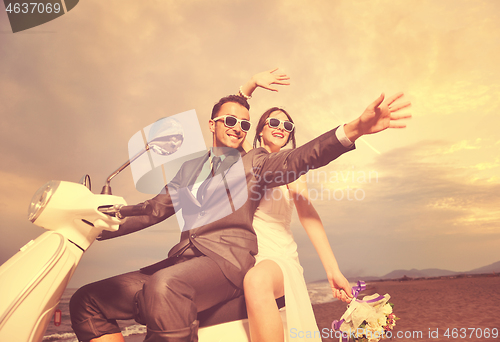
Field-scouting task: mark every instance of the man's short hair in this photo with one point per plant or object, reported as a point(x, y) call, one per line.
point(231, 98)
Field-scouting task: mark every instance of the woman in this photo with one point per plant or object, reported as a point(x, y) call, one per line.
point(277, 270)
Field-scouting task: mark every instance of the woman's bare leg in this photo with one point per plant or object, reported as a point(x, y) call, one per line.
point(262, 285)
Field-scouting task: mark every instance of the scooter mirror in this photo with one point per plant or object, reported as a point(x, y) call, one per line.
point(85, 180)
point(165, 136)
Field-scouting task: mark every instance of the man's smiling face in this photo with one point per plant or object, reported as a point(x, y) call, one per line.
point(229, 136)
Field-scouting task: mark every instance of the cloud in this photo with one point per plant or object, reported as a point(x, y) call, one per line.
point(17, 192)
point(458, 97)
point(462, 145)
point(73, 93)
point(423, 209)
point(16, 230)
point(433, 181)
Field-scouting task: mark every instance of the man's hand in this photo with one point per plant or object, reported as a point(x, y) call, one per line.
point(377, 117)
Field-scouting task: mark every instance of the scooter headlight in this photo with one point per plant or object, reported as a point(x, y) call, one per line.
point(40, 199)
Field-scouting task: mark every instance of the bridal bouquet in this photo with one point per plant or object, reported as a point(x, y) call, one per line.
point(366, 320)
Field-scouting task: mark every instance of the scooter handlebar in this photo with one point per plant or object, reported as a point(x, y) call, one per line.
point(135, 210)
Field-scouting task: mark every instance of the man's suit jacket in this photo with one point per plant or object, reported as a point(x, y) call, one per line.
point(231, 241)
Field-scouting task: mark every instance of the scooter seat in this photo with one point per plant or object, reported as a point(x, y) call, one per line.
point(232, 310)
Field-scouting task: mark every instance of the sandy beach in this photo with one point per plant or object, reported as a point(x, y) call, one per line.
point(433, 305)
point(428, 308)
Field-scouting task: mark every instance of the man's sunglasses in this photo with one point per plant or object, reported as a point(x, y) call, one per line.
point(275, 123)
point(231, 121)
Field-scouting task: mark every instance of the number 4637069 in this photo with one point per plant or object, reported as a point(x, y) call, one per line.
point(33, 7)
point(471, 332)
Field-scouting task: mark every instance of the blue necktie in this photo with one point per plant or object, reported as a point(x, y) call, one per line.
point(203, 187)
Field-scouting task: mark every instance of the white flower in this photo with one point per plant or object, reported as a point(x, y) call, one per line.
point(387, 309)
point(374, 327)
point(382, 320)
point(374, 333)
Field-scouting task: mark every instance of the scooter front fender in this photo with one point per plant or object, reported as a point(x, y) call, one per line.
point(31, 284)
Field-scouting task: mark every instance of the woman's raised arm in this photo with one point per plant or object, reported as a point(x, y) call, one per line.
point(264, 80)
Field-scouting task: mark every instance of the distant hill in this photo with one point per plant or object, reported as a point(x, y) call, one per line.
point(430, 272)
point(414, 273)
point(493, 268)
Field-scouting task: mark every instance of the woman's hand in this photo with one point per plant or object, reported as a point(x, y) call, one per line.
point(309, 218)
point(340, 286)
point(264, 80)
point(267, 78)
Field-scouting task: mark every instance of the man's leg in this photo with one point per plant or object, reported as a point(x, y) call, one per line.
point(166, 301)
point(171, 298)
point(95, 307)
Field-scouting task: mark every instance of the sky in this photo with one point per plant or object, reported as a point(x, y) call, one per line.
point(73, 92)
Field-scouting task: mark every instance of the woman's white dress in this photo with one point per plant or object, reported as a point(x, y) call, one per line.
point(272, 226)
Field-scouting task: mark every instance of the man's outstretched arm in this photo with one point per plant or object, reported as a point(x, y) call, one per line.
point(318, 152)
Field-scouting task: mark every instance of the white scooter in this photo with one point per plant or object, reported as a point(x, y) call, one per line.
point(33, 280)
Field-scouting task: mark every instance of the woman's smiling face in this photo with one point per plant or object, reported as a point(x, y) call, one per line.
point(273, 139)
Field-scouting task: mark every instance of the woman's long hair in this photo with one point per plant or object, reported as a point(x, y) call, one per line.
point(262, 123)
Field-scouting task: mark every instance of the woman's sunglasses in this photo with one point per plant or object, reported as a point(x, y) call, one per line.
point(275, 123)
point(231, 121)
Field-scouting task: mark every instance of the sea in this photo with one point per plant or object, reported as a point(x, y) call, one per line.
point(319, 292)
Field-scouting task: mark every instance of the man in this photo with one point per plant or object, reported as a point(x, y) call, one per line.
point(209, 263)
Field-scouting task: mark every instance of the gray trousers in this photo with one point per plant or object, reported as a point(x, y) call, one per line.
point(166, 301)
